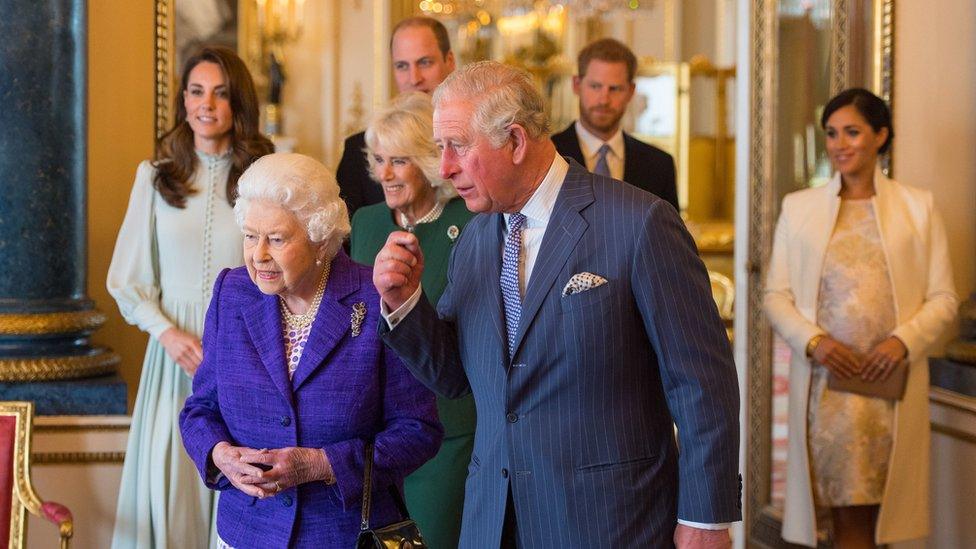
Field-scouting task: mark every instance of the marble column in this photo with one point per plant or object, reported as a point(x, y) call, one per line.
point(46, 317)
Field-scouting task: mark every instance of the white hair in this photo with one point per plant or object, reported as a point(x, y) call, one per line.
point(501, 95)
point(406, 128)
point(301, 185)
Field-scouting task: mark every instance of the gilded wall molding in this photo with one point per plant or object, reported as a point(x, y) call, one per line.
point(164, 61)
point(759, 337)
point(356, 112)
point(839, 40)
point(51, 323)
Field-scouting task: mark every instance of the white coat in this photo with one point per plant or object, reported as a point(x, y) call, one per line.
point(914, 242)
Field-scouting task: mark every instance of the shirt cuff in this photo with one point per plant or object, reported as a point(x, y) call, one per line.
point(705, 526)
point(394, 318)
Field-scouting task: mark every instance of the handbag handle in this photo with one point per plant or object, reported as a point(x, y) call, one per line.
point(368, 491)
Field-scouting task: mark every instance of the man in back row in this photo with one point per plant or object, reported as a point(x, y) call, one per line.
point(605, 86)
point(422, 58)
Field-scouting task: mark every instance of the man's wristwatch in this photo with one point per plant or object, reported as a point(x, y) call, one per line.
point(812, 344)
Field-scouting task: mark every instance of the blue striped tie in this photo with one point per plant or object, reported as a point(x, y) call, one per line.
point(602, 167)
point(511, 296)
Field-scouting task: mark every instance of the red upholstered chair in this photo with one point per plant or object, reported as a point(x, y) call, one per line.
point(17, 495)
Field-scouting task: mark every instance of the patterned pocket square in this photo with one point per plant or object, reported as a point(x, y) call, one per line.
point(582, 282)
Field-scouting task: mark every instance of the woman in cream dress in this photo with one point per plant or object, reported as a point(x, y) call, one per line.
point(859, 280)
point(179, 232)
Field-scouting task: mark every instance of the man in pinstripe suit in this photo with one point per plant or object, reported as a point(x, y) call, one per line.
point(579, 314)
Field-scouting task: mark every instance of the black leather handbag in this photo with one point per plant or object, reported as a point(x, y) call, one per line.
point(399, 535)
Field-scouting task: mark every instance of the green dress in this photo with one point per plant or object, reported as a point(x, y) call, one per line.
point(435, 492)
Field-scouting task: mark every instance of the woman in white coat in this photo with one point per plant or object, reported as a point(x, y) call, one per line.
point(859, 280)
point(178, 233)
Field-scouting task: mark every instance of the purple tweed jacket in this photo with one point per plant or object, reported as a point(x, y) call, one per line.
point(347, 389)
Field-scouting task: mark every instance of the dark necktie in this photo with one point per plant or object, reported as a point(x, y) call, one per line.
point(511, 296)
point(602, 167)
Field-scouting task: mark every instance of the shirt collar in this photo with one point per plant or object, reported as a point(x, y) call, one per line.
point(540, 205)
point(591, 144)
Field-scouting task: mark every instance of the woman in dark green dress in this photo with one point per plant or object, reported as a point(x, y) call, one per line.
point(404, 160)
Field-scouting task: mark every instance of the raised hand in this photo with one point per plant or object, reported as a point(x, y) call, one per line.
point(184, 348)
point(397, 269)
point(837, 358)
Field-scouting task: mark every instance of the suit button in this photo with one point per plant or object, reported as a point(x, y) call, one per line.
point(504, 473)
point(512, 417)
point(286, 500)
point(285, 421)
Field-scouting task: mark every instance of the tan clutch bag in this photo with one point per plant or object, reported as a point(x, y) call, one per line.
point(892, 388)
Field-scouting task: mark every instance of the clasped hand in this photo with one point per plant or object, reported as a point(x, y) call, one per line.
point(844, 363)
point(286, 467)
point(397, 269)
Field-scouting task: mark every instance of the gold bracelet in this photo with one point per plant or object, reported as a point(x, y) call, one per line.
point(813, 343)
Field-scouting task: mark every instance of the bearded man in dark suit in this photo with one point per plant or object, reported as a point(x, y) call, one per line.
point(605, 86)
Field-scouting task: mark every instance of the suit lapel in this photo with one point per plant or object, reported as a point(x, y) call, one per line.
point(632, 164)
point(332, 321)
point(568, 144)
point(565, 228)
point(263, 320)
point(491, 256)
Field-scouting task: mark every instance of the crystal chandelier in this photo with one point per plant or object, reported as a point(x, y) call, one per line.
point(605, 8)
point(577, 8)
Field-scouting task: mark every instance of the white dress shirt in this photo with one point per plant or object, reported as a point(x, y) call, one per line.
point(537, 212)
point(590, 147)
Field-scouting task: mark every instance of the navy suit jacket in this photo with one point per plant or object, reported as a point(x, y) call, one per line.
point(579, 423)
point(645, 166)
point(346, 390)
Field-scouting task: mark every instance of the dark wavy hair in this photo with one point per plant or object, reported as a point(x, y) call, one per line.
point(870, 106)
point(175, 158)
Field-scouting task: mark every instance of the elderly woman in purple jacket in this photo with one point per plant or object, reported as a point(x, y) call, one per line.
point(294, 380)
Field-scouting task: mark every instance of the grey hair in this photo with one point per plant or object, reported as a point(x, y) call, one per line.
point(406, 128)
point(301, 185)
point(501, 95)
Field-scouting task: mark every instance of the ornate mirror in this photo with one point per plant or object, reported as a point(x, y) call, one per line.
point(803, 52)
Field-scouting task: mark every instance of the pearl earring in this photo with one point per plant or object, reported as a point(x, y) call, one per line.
point(318, 262)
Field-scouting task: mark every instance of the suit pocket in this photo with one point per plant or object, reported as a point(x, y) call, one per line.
point(584, 299)
point(617, 465)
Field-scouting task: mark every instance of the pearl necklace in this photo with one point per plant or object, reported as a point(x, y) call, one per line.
point(298, 322)
point(429, 217)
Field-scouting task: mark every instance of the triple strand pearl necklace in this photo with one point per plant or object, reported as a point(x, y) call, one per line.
point(429, 217)
point(298, 322)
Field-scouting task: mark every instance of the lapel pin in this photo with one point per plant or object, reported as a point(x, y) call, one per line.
point(356, 318)
point(453, 232)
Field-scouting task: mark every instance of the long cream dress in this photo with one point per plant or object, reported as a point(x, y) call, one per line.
point(851, 435)
point(162, 275)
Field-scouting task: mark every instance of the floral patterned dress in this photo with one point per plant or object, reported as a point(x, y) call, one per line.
point(850, 436)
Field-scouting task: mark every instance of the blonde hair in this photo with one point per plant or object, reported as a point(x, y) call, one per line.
point(504, 96)
point(406, 128)
point(301, 185)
